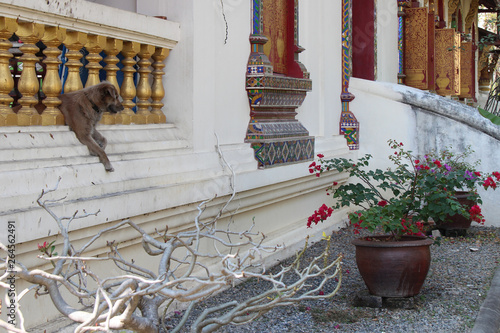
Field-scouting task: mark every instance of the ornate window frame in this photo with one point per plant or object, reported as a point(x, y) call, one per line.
point(273, 132)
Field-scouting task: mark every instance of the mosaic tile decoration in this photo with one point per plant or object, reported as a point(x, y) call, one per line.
point(349, 126)
point(283, 98)
point(278, 152)
point(268, 130)
point(402, 4)
point(275, 135)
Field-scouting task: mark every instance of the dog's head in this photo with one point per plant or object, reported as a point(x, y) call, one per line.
point(111, 98)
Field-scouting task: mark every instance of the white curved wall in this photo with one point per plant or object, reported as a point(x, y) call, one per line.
point(424, 122)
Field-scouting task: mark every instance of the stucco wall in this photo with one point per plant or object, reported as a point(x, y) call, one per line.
point(163, 171)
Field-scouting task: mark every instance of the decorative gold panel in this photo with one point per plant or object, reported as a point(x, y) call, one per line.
point(447, 62)
point(467, 71)
point(275, 24)
point(416, 48)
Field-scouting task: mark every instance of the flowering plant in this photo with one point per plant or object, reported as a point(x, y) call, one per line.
point(400, 199)
point(48, 248)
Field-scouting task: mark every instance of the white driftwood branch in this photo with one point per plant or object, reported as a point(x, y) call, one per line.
point(132, 300)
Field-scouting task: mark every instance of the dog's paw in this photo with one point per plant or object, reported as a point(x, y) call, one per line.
point(109, 168)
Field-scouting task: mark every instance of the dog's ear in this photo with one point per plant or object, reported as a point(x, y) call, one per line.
point(109, 90)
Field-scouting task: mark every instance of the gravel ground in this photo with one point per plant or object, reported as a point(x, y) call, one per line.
point(456, 286)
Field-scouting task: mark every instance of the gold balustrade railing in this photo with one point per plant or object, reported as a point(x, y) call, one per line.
point(37, 103)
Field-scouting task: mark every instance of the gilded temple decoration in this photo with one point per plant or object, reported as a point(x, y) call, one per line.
point(61, 56)
point(7, 116)
point(128, 90)
point(416, 55)
point(276, 84)
point(275, 29)
point(447, 62)
point(74, 41)
point(143, 114)
point(452, 7)
point(52, 85)
point(471, 15)
point(28, 85)
point(112, 48)
point(486, 68)
point(157, 89)
point(467, 77)
point(95, 44)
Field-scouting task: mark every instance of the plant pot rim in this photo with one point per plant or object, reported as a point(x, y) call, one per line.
point(406, 241)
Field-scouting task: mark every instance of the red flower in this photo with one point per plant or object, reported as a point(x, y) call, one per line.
point(320, 155)
point(496, 174)
point(382, 203)
point(417, 161)
point(438, 163)
point(320, 215)
point(489, 182)
point(475, 214)
point(420, 226)
point(335, 183)
point(43, 246)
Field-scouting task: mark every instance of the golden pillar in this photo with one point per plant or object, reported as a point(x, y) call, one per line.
point(113, 47)
point(128, 91)
point(30, 33)
point(158, 91)
point(143, 115)
point(95, 44)
point(74, 42)
point(52, 84)
point(7, 116)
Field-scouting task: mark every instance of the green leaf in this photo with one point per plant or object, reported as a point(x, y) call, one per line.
point(493, 118)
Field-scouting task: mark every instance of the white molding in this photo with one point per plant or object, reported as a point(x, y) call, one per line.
point(92, 18)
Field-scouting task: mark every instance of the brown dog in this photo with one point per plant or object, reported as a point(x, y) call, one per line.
point(83, 109)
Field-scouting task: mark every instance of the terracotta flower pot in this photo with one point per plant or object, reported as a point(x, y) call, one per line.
point(457, 221)
point(393, 268)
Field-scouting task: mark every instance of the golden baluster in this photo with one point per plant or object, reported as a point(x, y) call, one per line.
point(95, 44)
point(158, 91)
point(7, 116)
point(30, 33)
point(74, 42)
point(52, 84)
point(143, 115)
point(128, 91)
point(113, 47)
